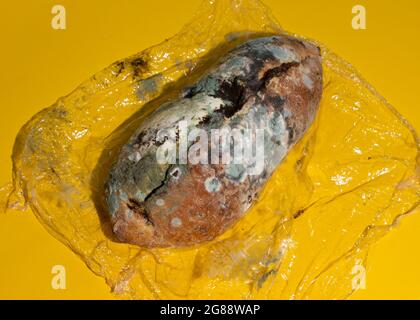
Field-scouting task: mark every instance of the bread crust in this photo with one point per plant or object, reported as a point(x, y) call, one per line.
point(277, 79)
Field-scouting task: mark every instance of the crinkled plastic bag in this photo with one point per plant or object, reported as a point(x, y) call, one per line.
point(340, 189)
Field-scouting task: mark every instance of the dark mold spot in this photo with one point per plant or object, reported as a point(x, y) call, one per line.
point(249, 199)
point(175, 172)
point(205, 120)
point(276, 72)
point(265, 276)
point(234, 92)
point(212, 120)
point(120, 67)
point(276, 101)
point(298, 213)
point(138, 208)
point(188, 93)
point(139, 66)
point(291, 132)
point(140, 137)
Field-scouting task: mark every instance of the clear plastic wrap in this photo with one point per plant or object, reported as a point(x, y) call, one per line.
point(342, 187)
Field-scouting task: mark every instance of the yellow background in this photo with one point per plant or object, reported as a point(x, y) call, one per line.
point(39, 64)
